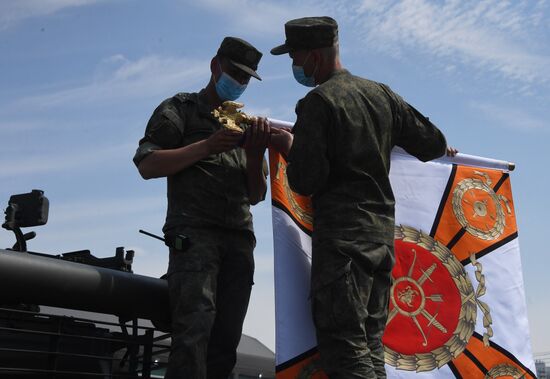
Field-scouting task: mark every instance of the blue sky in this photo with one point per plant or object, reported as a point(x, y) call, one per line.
point(80, 78)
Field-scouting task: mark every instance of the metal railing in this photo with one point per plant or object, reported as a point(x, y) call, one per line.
point(53, 346)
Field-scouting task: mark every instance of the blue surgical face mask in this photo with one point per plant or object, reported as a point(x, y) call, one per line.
point(301, 77)
point(228, 88)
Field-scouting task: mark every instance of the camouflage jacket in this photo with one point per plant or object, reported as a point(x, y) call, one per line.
point(213, 191)
point(343, 137)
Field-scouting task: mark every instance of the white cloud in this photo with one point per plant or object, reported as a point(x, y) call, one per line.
point(263, 17)
point(511, 118)
point(508, 38)
point(493, 35)
point(14, 11)
point(64, 160)
point(128, 80)
point(372, 6)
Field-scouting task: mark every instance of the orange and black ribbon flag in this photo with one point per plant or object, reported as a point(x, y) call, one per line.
point(457, 304)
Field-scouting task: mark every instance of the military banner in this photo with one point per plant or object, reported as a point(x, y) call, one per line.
point(457, 307)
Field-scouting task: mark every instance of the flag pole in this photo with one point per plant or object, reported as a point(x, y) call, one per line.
point(460, 158)
point(467, 160)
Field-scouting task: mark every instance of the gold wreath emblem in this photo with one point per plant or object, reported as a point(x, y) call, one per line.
point(413, 288)
point(504, 371)
point(467, 207)
point(302, 215)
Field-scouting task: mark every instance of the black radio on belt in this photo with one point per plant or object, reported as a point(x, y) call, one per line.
point(172, 240)
point(177, 241)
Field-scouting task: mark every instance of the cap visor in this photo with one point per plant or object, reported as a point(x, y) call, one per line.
point(246, 69)
point(279, 50)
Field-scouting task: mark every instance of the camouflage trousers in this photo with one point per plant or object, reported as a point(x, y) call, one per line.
point(209, 288)
point(350, 309)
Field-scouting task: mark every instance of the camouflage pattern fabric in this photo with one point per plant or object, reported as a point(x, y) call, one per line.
point(209, 288)
point(210, 283)
point(343, 137)
point(353, 306)
point(213, 191)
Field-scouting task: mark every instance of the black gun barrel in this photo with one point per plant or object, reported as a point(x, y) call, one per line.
point(31, 279)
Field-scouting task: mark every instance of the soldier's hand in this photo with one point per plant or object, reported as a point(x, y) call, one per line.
point(223, 140)
point(451, 151)
point(281, 140)
point(257, 136)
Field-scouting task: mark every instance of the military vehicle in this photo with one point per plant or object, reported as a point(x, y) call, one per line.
point(39, 341)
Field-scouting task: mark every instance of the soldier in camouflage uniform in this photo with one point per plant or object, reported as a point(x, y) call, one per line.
point(211, 184)
point(340, 154)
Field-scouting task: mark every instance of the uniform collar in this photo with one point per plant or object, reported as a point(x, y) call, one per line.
point(338, 72)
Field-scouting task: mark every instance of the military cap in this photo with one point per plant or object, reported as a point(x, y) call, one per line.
point(241, 54)
point(308, 33)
